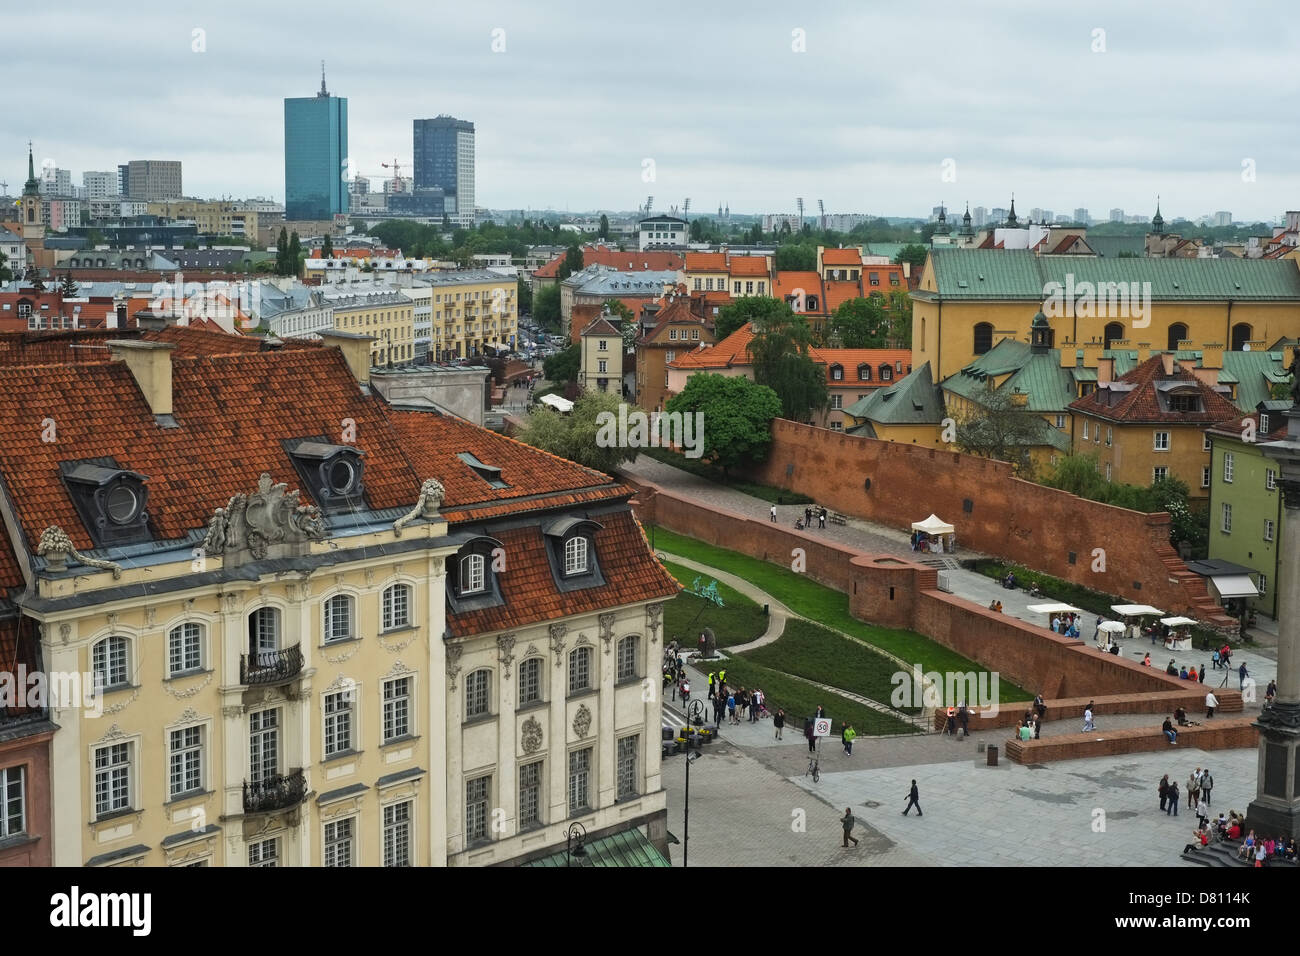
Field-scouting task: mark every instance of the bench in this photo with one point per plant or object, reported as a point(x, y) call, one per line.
point(837, 518)
point(1215, 734)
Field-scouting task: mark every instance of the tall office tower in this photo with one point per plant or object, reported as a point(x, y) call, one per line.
point(100, 184)
point(315, 155)
point(1081, 216)
point(153, 180)
point(444, 158)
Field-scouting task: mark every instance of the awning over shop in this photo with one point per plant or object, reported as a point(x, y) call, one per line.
point(1135, 610)
point(1053, 609)
point(933, 525)
point(1234, 586)
point(628, 848)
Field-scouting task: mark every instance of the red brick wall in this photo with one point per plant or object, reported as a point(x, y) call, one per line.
point(1229, 734)
point(1013, 519)
point(33, 753)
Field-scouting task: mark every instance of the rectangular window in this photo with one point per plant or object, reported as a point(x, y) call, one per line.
point(695, 335)
point(1227, 518)
point(1227, 467)
point(697, 284)
point(579, 781)
point(1085, 429)
point(1205, 476)
point(530, 681)
point(112, 779)
point(1108, 471)
point(1268, 529)
point(476, 808)
point(670, 354)
point(629, 748)
point(737, 290)
point(579, 670)
point(338, 722)
point(672, 335)
point(477, 697)
point(602, 367)
point(837, 426)
point(708, 285)
point(602, 345)
point(1110, 432)
point(1205, 442)
point(1060, 421)
point(263, 745)
point(339, 842)
point(1159, 473)
point(397, 834)
point(1161, 441)
point(1263, 423)
point(186, 761)
point(184, 649)
point(627, 654)
point(762, 288)
point(1270, 480)
point(1263, 584)
point(837, 401)
point(264, 853)
point(397, 606)
point(397, 708)
point(530, 794)
point(749, 287)
point(109, 659)
point(13, 802)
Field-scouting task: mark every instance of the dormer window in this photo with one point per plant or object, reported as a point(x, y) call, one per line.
point(864, 373)
point(489, 473)
point(472, 580)
point(837, 373)
point(575, 555)
point(110, 500)
point(571, 550)
point(472, 577)
point(332, 473)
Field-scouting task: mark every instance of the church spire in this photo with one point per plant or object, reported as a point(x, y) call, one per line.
point(1011, 216)
point(32, 187)
point(1158, 221)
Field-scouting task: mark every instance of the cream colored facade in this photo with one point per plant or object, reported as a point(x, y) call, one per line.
point(468, 312)
point(601, 367)
point(385, 315)
point(211, 218)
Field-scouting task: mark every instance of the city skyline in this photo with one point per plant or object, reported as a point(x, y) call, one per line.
point(1056, 123)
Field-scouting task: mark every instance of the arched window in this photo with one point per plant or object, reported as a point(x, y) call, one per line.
point(837, 373)
point(340, 621)
point(1177, 332)
point(864, 373)
point(530, 681)
point(397, 606)
point(628, 658)
point(811, 303)
point(110, 660)
point(579, 669)
point(472, 577)
point(1240, 336)
point(263, 631)
point(983, 337)
point(184, 649)
point(886, 373)
point(478, 693)
point(1114, 333)
point(575, 555)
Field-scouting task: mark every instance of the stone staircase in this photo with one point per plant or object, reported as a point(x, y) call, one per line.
point(942, 564)
point(1203, 607)
point(1225, 854)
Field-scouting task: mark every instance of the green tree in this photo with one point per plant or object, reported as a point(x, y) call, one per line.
point(294, 261)
point(796, 257)
point(68, 287)
point(582, 436)
point(900, 319)
point(563, 367)
point(913, 253)
point(697, 230)
point(755, 235)
point(861, 324)
point(5, 274)
point(782, 361)
point(752, 308)
point(737, 417)
point(1078, 474)
point(524, 297)
point(33, 278)
point(1188, 528)
point(572, 263)
point(604, 226)
point(999, 427)
point(546, 307)
point(327, 248)
point(282, 253)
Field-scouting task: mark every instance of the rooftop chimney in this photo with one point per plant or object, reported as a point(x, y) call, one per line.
point(1212, 356)
point(1167, 360)
point(356, 351)
point(151, 365)
point(1105, 370)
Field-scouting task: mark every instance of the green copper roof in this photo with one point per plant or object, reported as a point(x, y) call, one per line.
point(1019, 275)
point(628, 848)
point(1048, 387)
point(912, 400)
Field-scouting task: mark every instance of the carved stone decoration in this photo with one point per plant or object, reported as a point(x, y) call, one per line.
point(231, 602)
point(557, 641)
point(342, 658)
point(607, 630)
point(188, 716)
point(401, 645)
point(114, 732)
point(426, 506)
point(56, 547)
point(582, 721)
point(531, 738)
point(65, 632)
point(118, 708)
point(113, 618)
point(233, 711)
point(398, 670)
point(505, 649)
point(370, 575)
point(150, 616)
point(583, 640)
point(653, 613)
point(270, 515)
point(454, 651)
point(189, 692)
point(532, 651)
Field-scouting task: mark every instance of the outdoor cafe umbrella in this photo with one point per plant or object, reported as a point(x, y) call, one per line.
point(1111, 627)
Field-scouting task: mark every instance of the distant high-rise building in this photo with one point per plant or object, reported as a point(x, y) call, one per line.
point(444, 159)
point(979, 216)
point(315, 155)
point(1117, 215)
point(56, 182)
point(997, 215)
point(100, 185)
point(1081, 216)
point(1223, 218)
point(153, 180)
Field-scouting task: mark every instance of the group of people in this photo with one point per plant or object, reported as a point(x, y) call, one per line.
point(1067, 625)
point(995, 606)
point(1231, 827)
point(809, 515)
point(1200, 790)
point(1030, 726)
point(739, 703)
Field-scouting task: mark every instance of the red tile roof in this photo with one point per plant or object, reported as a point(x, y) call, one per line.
point(706, 262)
point(601, 326)
point(842, 257)
point(676, 311)
point(791, 283)
point(839, 291)
point(850, 359)
point(733, 350)
point(631, 261)
point(1141, 404)
point(748, 266)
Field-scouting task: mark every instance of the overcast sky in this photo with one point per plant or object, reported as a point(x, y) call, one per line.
point(1019, 96)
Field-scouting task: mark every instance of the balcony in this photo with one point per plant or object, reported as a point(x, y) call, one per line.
point(270, 667)
point(275, 793)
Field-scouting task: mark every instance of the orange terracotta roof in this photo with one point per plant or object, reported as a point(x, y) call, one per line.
point(630, 261)
point(706, 262)
point(601, 326)
point(731, 351)
point(59, 348)
point(850, 359)
point(674, 312)
point(842, 257)
point(748, 266)
point(790, 283)
point(1141, 404)
point(839, 291)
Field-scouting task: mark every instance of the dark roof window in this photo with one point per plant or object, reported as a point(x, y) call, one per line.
point(331, 473)
point(489, 473)
point(110, 500)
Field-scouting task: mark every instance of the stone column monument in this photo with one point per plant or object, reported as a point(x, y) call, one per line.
point(1276, 807)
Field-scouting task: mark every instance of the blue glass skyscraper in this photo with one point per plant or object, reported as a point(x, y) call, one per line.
point(315, 155)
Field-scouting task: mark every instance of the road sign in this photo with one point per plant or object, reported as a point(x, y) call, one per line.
point(822, 727)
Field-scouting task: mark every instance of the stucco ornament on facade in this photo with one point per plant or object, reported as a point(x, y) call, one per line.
point(505, 651)
point(557, 640)
point(607, 630)
point(582, 721)
point(454, 651)
point(56, 547)
point(432, 494)
point(270, 515)
point(531, 738)
point(653, 613)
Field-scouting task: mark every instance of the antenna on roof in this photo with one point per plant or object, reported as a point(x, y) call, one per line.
point(323, 91)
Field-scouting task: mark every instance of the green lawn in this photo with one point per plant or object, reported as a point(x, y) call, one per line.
point(702, 469)
point(800, 700)
point(739, 621)
point(810, 650)
point(827, 606)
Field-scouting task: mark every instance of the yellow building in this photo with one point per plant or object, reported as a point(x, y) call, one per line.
point(317, 623)
point(601, 358)
point(386, 315)
point(909, 411)
point(968, 299)
point(1150, 423)
point(211, 218)
point(470, 311)
point(707, 272)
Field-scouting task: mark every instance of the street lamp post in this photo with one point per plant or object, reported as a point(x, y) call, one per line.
point(691, 757)
point(575, 844)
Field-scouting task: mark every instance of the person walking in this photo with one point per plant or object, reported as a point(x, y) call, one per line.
point(1088, 725)
point(812, 738)
point(1173, 799)
point(848, 735)
point(1214, 659)
point(1242, 674)
point(1211, 702)
point(719, 705)
point(913, 800)
point(847, 822)
point(1207, 785)
point(1163, 790)
point(778, 722)
point(772, 513)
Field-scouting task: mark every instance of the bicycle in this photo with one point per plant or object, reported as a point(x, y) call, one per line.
point(814, 768)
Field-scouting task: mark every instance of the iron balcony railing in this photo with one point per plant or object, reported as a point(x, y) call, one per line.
point(275, 793)
point(270, 667)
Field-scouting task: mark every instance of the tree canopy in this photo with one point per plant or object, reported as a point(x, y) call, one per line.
point(782, 361)
point(577, 436)
point(546, 307)
point(861, 324)
point(749, 309)
point(913, 253)
point(796, 257)
point(563, 366)
point(1001, 428)
point(737, 417)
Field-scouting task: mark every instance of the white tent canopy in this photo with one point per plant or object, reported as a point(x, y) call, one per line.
point(1176, 621)
point(561, 405)
point(933, 525)
point(1111, 627)
point(1053, 609)
point(1134, 610)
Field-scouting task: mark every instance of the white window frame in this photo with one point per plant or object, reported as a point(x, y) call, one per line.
point(478, 802)
point(1268, 529)
point(13, 801)
point(1085, 429)
point(628, 751)
point(1263, 583)
point(340, 626)
point(478, 699)
point(1060, 422)
point(532, 684)
point(837, 402)
point(579, 780)
point(473, 574)
point(114, 660)
point(1228, 467)
point(1206, 443)
point(339, 722)
point(264, 853)
point(1156, 441)
point(263, 728)
point(397, 613)
point(116, 771)
point(1225, 516)
point(1205, 476)
point(627, 659)
point(577, 559)
point(535, 817)
point(1110, 434)
point(1263, 423)
point(185, 763)
point(185, 647)
point(397, 822)
point(268, 637)
point(398, 709)
point(580, 671)
point(1156, 473)
point(339, 842)
point(1270, 480)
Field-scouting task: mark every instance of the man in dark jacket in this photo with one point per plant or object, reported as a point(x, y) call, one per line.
point(914, 800)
